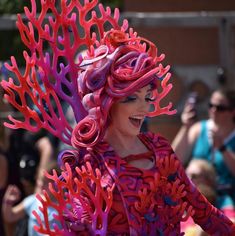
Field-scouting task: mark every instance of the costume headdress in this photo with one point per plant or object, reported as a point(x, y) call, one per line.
point(116, 62)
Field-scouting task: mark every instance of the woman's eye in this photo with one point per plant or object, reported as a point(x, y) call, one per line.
point(129, 99)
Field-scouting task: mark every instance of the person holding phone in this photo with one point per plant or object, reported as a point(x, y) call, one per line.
point(214, 140)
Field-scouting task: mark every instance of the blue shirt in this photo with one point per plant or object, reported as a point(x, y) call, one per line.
point(203, 150)
point(31, 203)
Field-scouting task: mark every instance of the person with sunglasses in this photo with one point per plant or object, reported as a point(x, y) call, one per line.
point(213, 140)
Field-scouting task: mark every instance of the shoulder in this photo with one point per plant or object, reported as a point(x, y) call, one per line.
point(154, 137)
point(158, 140)
point(29, 202)
point(195, 130)
point(163, 147)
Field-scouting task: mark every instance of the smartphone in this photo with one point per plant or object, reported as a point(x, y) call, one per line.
point(192, 101)
point(192, 98)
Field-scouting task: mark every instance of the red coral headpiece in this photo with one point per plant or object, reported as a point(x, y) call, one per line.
point(116, 63)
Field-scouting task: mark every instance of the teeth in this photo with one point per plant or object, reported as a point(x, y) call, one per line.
point(137, 117)
point(136, 122)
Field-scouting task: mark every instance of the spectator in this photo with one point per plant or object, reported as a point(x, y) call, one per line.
point(23, 167)
point(28, 167)
point(13, 213)
point(3, 184)
point(26, 143)
point(212, 140)
point(200, 171)
point(26, 152)
point(203, 175)
point(4, 166)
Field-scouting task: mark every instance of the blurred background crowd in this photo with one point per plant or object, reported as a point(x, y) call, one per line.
point(198, 38)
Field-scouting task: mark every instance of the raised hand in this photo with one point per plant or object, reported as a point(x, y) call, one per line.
point(12, 195)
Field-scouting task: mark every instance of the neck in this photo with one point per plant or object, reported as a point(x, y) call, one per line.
point(225, 127)
point(124, 145)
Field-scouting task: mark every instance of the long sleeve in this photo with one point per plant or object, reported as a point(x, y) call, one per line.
point(212, 220)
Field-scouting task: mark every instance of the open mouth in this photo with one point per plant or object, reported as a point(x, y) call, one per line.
point(135, 121)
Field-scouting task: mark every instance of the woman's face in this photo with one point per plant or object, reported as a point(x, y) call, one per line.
point(219, 109)
point(128, 114)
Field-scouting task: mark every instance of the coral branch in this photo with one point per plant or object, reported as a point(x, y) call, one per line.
point(74, 198)
point(160, 95)
point(54, 40)
point(35, 102)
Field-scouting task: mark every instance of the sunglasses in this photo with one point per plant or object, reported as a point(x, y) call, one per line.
point(220, 108)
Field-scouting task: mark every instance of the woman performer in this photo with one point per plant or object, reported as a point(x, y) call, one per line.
point(116, 180)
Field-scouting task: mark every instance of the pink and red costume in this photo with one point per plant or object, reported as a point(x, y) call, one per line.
point(99, 193)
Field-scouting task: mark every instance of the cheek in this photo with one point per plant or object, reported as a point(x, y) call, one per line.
point(125, 113)
point(119, 116)
point(120, 110)
point(114, 115)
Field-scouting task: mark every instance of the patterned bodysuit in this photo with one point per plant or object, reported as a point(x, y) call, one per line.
point(107, 195)
point(156, 200)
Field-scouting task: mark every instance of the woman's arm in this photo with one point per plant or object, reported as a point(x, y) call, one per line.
point(227, 152)
point(187, 134)
point(184, 141)
point(229, 158)
point(46, 152)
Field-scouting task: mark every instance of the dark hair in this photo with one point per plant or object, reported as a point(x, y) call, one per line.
point(28, 166)
point(229, 94)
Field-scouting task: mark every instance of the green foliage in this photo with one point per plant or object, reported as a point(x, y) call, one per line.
point(113, 3)
point(14, 6)
point(10, 42)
